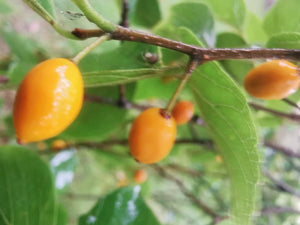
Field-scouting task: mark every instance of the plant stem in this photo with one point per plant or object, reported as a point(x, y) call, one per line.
point(80, 55)
point(207, 54)
point(95, 17)
point(291, 116)
point(191, 67)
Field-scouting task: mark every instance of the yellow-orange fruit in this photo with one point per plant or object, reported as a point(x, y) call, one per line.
point(140, 176)
point(183, 112)
point(274, 79)
point(219, 159)
point(58, 144)
point(152, 136)
point(48, 100)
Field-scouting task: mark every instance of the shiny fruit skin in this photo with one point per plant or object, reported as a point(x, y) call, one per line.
point(48, 100)
point(140, 176)
point(183, 112)
point(152, 136)
point(274, 79)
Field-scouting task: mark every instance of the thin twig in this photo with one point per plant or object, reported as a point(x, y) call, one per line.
point(193, 63)
point(124, 142)
point(114, 102)
point(289, 102)
point(277, 210)
point(191, 172)
point(126, 34)
point(124, 16)
point(290, 116)
point(281, 185)
point(124, 23)
point(286, 151)
point(185, 191)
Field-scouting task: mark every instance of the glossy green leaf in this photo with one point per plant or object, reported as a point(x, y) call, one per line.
point(284, 16)
point(62, 166)
point(144, 13)
point(192, 15)
point(97, 120)
point(129, 55)
point(124, 206)
point(226, 113)
point(26, 188)
point(236, 68)
point(253, 30)
point(285, 40)
point(114, 77)
point(229, 11)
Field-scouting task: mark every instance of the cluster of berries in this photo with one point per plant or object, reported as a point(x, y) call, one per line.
point(50, 97)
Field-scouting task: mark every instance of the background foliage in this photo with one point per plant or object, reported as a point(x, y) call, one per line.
point(234, 164)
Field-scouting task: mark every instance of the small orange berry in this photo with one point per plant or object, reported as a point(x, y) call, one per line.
point(140, 176)
point(58, 145)
point(218, 159)
point(183, 112)
point(274, 79)
point(152, 135)
point(48, 100)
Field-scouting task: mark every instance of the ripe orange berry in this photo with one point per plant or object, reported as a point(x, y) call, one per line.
point(183, 112)
point(274, 79)
point(140, 176)
point(58, 144)
point(48, 100)
point(152, 136)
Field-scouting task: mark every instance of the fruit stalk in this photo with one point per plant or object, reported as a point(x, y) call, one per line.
point(80, 55)
point(193, 63)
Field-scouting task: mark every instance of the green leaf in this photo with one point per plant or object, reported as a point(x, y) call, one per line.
point(236, 68)
point(124, 206)
point(163, 89)
point(226, 113)
point(62, 166)
point(4, 7)
point(144, 13)
point(45, 9)
point(285, 40)
point(47, 5)
point(254, 32)
point(284, 16)
point(229, 11)
point(129, 55)
point(192, 15)
point(26, 188)
point(62, 216)
point(21, 47)
point(97, 120)
point(114, 77)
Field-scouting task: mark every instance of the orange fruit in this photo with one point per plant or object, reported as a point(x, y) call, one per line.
point(274, 79)
point(140, 176)
point(58, 144)
point(183, 112)
point(152, 135)
point(48, 100)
